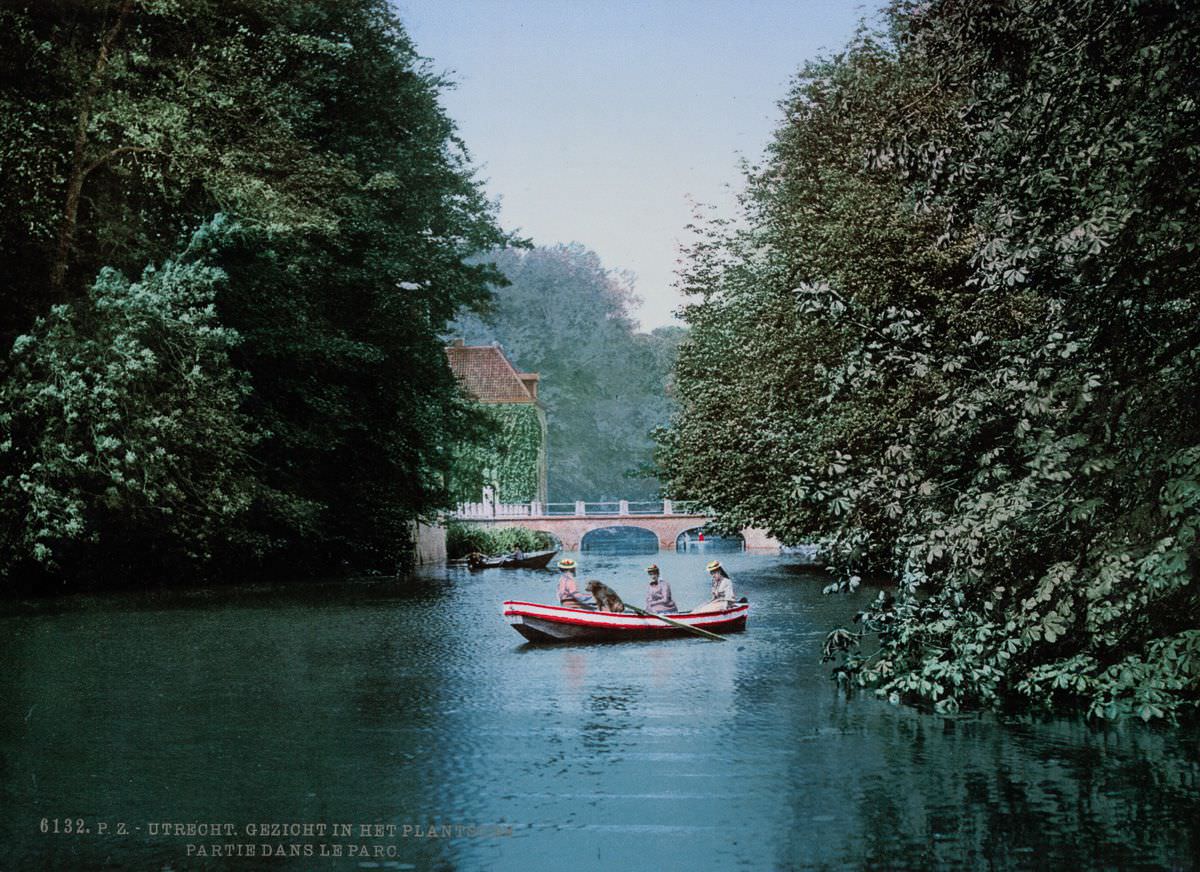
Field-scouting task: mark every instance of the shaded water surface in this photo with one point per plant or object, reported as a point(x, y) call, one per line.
point(413, 703)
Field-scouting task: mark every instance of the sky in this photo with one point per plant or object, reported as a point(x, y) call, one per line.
point(603, 121)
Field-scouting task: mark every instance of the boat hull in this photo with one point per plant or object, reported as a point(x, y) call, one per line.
point(543, 623)
point(536, 560)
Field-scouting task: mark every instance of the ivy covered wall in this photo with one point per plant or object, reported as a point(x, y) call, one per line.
point(512, 461)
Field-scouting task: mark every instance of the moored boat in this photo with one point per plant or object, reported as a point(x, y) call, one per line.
point(544, 623)
point(532, 560)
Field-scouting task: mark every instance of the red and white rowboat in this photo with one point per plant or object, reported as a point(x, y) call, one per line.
point(542, 623)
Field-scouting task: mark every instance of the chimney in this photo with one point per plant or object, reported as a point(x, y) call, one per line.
point(457, 343)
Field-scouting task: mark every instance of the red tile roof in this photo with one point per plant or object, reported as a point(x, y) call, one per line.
point(486, 374)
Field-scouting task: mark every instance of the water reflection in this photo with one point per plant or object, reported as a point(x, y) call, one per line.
point(574, 667)
point(1049, 794)
point(610, 721)
point(397, 703)
point(661, 667)
point(703, 539)
point(622, 539)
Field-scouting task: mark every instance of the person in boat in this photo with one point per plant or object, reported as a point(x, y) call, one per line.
point(514, 555)
point(569, 594)
point(658, 596)
point(722, 589)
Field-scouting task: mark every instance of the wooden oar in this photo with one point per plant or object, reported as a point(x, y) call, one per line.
point(679, 624)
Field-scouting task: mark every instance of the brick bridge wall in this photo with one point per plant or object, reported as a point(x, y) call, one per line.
point(570, 529)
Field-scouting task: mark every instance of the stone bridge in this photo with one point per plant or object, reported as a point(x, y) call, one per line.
point(570, 522)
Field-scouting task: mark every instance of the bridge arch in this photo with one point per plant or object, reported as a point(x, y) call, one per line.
point(623, 538)
point(554, 537)
point(689, 540)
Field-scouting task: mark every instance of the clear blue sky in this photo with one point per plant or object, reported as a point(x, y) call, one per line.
point(595, 121)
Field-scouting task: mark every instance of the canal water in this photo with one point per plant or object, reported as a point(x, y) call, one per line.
point(412, 703)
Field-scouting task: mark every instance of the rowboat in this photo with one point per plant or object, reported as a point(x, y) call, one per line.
point(532, 560)
point(543, 623)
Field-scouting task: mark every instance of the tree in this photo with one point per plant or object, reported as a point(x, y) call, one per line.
point(130, 121)
point(810, 353)
point(123, 425)
point(968, 263)
point(352, 210)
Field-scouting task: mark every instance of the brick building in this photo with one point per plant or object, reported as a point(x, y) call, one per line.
point(515, 465)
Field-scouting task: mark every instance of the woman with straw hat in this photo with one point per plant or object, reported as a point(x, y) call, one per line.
point(722, 589)
point(569, 594)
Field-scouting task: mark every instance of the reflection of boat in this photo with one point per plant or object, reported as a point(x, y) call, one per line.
point(542, 623)
point(699, 540)
point(532, 560)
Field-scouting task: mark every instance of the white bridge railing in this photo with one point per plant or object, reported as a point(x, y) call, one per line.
point(487, 511)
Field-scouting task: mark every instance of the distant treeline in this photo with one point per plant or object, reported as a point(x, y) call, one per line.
point(956, 337)
point(233, 235)
point(604, 384)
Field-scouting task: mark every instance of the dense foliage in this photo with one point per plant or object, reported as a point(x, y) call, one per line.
point(955, 339)
point(462, 540)
point(604, 385)
point(508, 458)
point(291, 372)
point(123, 423)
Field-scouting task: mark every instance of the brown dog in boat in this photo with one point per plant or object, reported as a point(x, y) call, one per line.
point(606, 598)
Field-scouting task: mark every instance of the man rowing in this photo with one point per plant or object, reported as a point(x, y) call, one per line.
point(658, 596)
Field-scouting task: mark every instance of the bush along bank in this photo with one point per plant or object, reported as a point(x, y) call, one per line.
point(462, 540)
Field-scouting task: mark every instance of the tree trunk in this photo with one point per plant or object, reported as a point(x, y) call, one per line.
point(79, 171)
